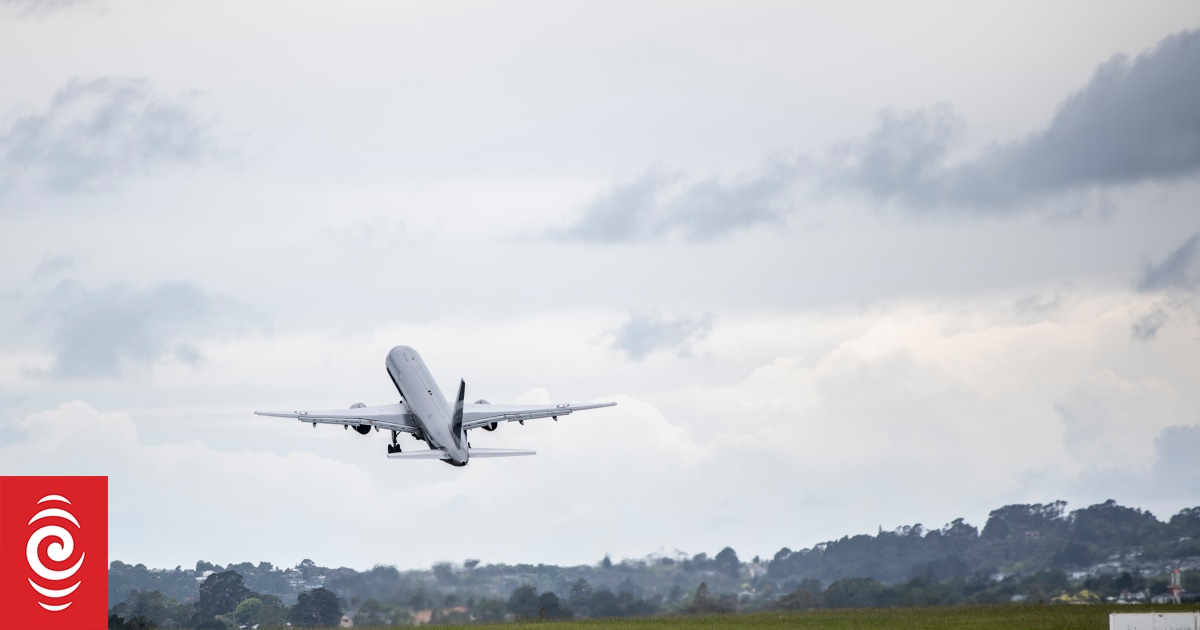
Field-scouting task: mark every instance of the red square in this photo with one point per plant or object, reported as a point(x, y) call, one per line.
point(53, 553)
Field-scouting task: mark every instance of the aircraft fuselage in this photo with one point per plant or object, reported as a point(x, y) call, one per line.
point(425, 402)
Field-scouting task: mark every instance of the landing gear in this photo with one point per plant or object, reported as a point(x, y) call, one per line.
point(393, 448)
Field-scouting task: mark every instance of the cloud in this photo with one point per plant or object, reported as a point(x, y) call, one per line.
point(900, 154)
point(1175, 450)
point(643, 335)
point(1135, 121)
point(1176, 271)
point(39, 8)
point(1146, 327)
point(1158, 479)
point(1174, 281)
point(52, 265)
point(163, 494)
point(1038, 306)
point(658, 204)
point(1108, 420)
point(97, 134)
point(104, 332)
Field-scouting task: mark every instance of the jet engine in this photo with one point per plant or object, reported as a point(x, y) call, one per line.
point(486, 427)
point(362, 429)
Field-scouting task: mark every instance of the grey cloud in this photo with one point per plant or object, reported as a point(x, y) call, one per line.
point(38, 8)
point(104, 332)
point(1038, 305)
point(96, 134)
point(1176, 279)
point(1175, 447)
point(1176, 271)
point(1146, 327)
point(656, 205)
point(1135, 121)
point(642, 335)
point(51, 265)
point(904, 151)
point(1169, 480)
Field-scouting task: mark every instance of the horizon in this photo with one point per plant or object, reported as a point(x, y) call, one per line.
point(674, 553)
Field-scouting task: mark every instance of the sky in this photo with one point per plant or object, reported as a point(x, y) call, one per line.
point(843, 266)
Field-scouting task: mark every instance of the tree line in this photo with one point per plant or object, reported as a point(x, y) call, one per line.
point(224, 602)
point(1038, 552)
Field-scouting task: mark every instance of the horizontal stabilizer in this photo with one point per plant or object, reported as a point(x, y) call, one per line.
point(438, 453)
point(500, 452)
point(426, 454)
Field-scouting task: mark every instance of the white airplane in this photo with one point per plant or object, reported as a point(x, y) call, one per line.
point(425, 413)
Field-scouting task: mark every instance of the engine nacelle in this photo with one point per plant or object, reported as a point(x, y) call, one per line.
point(362, 429)
point(486, 427)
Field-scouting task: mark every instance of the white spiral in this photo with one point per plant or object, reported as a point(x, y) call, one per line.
point(59, 551)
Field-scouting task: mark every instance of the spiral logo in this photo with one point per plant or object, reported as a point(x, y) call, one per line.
point(56, 582)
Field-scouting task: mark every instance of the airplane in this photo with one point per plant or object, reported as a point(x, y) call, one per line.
point(425, 413)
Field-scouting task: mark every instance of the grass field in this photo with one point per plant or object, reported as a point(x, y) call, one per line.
point(1013, 617)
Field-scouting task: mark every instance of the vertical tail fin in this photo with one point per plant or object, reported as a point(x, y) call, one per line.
point(457, 421)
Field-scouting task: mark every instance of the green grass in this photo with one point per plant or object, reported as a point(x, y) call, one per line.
point(1012, 617)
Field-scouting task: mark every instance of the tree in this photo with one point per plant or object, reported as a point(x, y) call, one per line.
point(444, 573)
point(580, 597)
point(490, 610)
point(273, 614)
point(1073, 554)
point(316, 608)
point(604, 604)
point(211, 623)
point(703, 603)
point(549, 607)
point(852, 593)
point(727, 562)
point(524, 602)
point(249, 611)
point(151, 606)
point(961, 530)
point(805, 597)
point(221, 593)
point(116, 622)
point(307, 568)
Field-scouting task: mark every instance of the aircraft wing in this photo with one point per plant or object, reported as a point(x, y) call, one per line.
point(386, 417)
point(481, 414)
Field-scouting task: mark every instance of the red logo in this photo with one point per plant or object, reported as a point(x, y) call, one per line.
point(53, 553)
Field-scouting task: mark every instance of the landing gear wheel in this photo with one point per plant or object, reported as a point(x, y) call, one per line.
point(393, 448)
